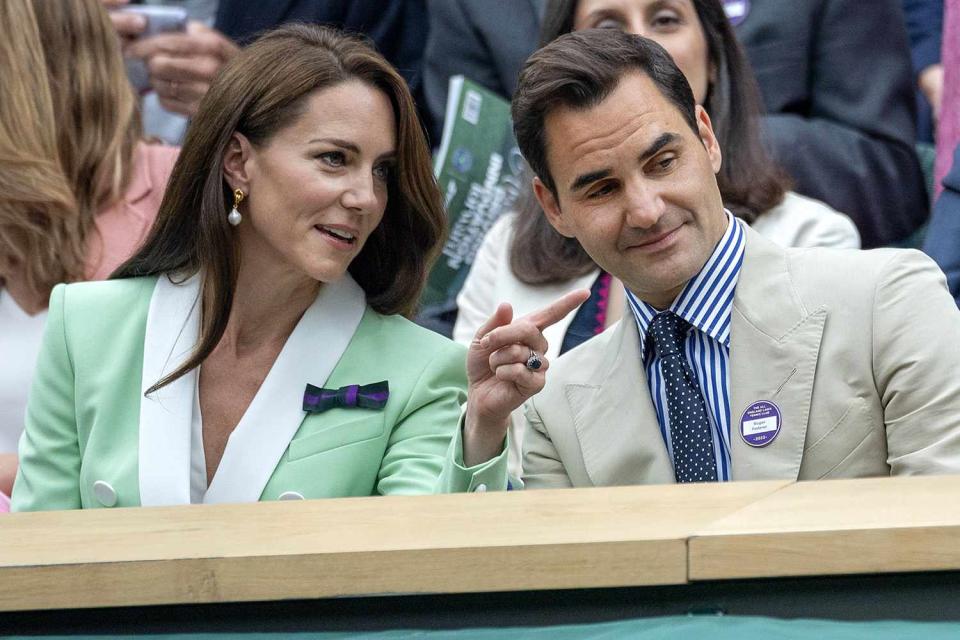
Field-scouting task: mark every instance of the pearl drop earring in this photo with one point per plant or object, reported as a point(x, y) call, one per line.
point(234, 216)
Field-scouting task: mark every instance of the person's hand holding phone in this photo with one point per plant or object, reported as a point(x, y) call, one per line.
point(128, 25)
point(182, 65)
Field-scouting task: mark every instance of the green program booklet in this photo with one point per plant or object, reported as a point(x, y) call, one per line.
point(480, 172)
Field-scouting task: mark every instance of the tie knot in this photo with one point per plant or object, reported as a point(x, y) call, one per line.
point(668, 331)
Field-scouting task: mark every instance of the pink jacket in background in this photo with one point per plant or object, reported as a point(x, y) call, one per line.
point(948, 129)
point(122, 228)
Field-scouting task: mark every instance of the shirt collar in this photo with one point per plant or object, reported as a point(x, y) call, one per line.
point(706, 301)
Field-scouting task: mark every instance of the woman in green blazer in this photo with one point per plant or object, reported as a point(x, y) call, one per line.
point(258, 351)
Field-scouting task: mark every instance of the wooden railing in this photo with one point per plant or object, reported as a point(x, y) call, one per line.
point(525, 540)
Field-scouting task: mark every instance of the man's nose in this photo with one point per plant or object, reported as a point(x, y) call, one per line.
point(644, 204)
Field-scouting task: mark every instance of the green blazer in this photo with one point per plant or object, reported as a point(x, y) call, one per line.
point(93, 439)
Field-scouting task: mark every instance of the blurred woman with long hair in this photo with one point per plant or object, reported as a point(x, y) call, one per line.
point(80, 189)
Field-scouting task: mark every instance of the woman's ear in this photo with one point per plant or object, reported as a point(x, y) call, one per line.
point(238, 162)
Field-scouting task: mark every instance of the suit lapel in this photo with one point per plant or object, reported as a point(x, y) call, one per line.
point(173, 324)
point(614, 418)
point(276, 412)
point(774, 348)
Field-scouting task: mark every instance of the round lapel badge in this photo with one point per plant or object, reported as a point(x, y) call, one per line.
point(760, 423)
point(736, 10)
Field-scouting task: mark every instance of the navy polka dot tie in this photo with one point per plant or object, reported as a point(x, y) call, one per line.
point(693, 454)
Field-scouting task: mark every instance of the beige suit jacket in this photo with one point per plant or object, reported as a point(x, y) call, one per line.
point(860, 350)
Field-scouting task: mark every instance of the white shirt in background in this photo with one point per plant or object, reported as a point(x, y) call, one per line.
point(20, 337)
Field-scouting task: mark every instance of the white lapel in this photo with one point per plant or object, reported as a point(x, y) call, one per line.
point(173, 327)
point(274, 416)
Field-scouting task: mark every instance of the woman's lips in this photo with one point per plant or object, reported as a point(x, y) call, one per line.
point(338, 236)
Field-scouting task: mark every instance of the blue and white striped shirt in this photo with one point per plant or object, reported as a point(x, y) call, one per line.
point(706, 302)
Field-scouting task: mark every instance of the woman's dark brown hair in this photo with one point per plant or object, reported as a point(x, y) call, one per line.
point(260, 91)
point(750, 182)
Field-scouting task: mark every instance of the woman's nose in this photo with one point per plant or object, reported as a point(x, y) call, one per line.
point(361, 194)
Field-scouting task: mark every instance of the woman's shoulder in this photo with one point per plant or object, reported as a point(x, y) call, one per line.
point(405, 353)
point(495, 246)
point(100, 317)
point(399, 335)
point(408, 355)
point(157, 161)
point(799, 221)
point(502, 229)
point(104, 297)
point(796, 203)
point(157, 155)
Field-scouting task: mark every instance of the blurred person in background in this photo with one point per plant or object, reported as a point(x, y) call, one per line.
point(837, 82)
point(925, 29)
point(182, 65)
point(523, 260)
point(942, 241)
point(835, 77)
point(948, 126)
point(80, 187)
point(487, 42)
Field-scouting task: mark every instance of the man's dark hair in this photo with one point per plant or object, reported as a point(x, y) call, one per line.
point(578, 71)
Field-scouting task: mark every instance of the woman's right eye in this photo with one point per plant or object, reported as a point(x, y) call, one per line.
point(333, 158)
point(609, 23)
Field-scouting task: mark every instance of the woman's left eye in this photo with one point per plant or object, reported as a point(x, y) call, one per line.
point(333, 158)
point(382, 171)
point(665, 20)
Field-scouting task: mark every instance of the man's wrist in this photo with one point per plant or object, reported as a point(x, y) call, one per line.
point(483, 437)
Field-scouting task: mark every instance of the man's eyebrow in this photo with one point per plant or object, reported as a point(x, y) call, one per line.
point(589, 178)
point(659, 143)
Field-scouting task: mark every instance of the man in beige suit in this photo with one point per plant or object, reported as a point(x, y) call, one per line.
point(739, 360)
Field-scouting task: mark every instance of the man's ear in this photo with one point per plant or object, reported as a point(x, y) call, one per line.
point(551, 207)
point(705, 130)
point(237, 162)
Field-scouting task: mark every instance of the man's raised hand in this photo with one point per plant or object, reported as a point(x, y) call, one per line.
point(499, 380)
